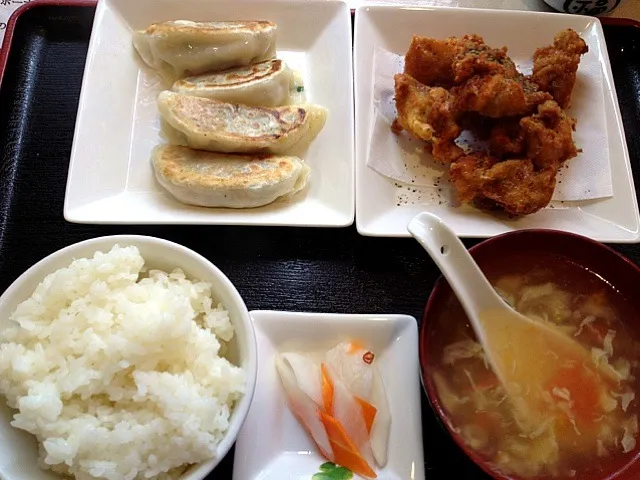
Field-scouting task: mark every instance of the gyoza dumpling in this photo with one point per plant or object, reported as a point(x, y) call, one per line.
point(211, 179)
point(215, 126)
point(178, 48)
point(266, 84)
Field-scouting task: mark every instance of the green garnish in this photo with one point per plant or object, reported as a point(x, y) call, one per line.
point(299, 89)
point(331, 471)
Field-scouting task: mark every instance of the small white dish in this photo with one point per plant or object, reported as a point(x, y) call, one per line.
point(378, 209)
point(272, 445)
point(19, 450)
point(110, 175)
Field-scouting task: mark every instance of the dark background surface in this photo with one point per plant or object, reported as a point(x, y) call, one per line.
point(319, 270)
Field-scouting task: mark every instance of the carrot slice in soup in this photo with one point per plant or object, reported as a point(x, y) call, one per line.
point(583, 387)
point(345, 452)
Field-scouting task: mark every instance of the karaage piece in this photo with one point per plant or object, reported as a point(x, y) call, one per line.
point(570, 42)
point(545, 137)
point(444, 63)
point(498, 96)
point(555, 67)
point(474, 57)
point(513, 185)
point(507, 138)
point(518, 188)
point(426, 113)
point(467, 175)
point(548, 136)
point(430, 61)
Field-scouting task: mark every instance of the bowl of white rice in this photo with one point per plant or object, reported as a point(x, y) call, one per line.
point(122, 358)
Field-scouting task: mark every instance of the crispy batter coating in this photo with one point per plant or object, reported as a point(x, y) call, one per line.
point(555, 67)
point(570, 42)
point(513, 185)
point(445, 63)
point(466, 175)
point(430, 61)
point(545, 137)
point(474, 57)
point(426, 113)
point(498, 96)
point(549, 136)
point(518, 188)
point(507, 138)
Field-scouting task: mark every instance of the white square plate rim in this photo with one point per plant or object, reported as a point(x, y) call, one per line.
point(407, 327)
point(376, 226)
point(342, 215)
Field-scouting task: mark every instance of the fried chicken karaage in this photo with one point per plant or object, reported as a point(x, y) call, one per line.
point(498, 96)
point(555, 67)
point(513, 185)
point(549, 136)
point(519, 175)
point(463, 84)
point(545, 137)
point(426, 113)
point(474, 57)
point(506, 138)
point(452, 61)
point(430, 61)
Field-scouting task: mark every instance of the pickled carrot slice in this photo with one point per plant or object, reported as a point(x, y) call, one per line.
point(354, 347)
point(345, 453)
point(368, 412)
point(327, 390)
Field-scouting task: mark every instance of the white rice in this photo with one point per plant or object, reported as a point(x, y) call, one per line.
point(119, 373)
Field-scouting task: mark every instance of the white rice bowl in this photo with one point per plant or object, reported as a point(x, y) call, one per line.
point(118, 372)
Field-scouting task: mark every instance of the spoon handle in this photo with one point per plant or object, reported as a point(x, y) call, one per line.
point(456, 264)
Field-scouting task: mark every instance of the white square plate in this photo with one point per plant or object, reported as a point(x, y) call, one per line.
point(110, 175)
point(613, 219)
point(273, 446)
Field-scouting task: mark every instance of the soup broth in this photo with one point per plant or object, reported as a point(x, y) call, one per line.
point(583, 435)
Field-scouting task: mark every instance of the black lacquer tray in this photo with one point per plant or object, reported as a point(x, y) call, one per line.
point(296, 269)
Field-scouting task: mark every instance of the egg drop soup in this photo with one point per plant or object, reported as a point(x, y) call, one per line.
point(582, 432)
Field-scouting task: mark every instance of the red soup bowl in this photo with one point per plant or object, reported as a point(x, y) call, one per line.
point(620, 272)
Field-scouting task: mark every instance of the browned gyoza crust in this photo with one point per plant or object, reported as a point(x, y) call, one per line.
point(225, 127)
point(266, 84)
point(227, 180)
point(211, 28)
point(231, 77)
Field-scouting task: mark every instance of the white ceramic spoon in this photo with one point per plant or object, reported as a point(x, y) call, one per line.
point(529, 357)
